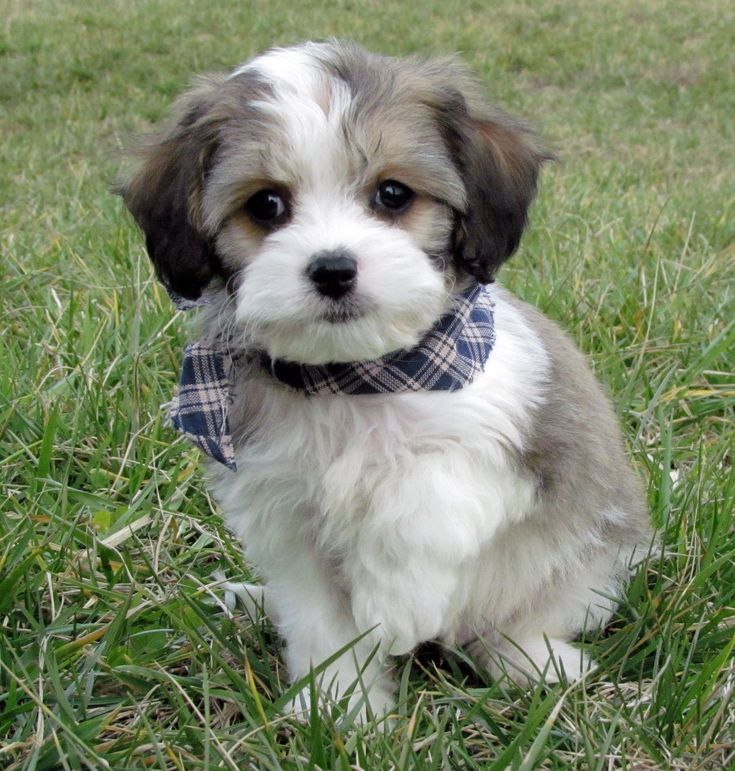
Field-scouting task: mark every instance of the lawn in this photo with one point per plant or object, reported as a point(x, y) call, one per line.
point(116, 650)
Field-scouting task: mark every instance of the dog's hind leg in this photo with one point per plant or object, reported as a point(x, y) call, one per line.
point(253, 598)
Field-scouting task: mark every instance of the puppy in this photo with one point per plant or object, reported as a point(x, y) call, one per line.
point(407, 451)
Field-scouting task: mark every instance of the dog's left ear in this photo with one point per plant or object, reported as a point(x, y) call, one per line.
point(164, 194)
point(499, 160)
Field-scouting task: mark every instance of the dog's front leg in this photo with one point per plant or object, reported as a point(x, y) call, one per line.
point(421, 529)
point(315, 619)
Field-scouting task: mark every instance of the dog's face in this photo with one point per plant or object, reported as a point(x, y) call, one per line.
point(340, 195)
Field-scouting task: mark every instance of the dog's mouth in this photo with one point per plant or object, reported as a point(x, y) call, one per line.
point(342, 312)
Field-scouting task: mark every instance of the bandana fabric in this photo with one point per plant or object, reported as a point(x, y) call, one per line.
point(199, 409)
point(448, 358)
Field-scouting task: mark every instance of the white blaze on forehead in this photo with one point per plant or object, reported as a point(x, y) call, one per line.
point(291, 69)
point(310, 104)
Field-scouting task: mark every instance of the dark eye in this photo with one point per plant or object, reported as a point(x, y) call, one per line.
point(267, 207)
point(393, 196)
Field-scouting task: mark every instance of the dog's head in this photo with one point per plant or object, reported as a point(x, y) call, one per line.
point(339, 195)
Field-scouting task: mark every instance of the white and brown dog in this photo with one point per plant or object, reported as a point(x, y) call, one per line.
point(336, 206)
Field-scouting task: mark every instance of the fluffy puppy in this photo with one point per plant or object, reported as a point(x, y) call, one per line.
point(333, 205)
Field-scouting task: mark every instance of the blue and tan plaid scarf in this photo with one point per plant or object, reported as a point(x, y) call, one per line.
point(447, 358)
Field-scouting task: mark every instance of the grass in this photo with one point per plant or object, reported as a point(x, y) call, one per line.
point(115, 649)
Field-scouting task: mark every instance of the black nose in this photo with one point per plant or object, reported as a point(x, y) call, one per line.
point(333, 273)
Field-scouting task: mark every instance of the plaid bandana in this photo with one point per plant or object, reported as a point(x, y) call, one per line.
point(449, 357)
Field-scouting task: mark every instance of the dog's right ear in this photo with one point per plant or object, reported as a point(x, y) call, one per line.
point(164, 193)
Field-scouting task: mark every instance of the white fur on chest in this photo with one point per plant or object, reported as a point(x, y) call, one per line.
point(363, 482)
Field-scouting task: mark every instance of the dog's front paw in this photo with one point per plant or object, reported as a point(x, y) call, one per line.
point(397, 624)
point(362, 705)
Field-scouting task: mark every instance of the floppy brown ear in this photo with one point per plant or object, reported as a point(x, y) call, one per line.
point(499, 160)
point(164, 194)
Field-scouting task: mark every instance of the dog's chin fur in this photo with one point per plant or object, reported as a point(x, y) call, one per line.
point(503, 517)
